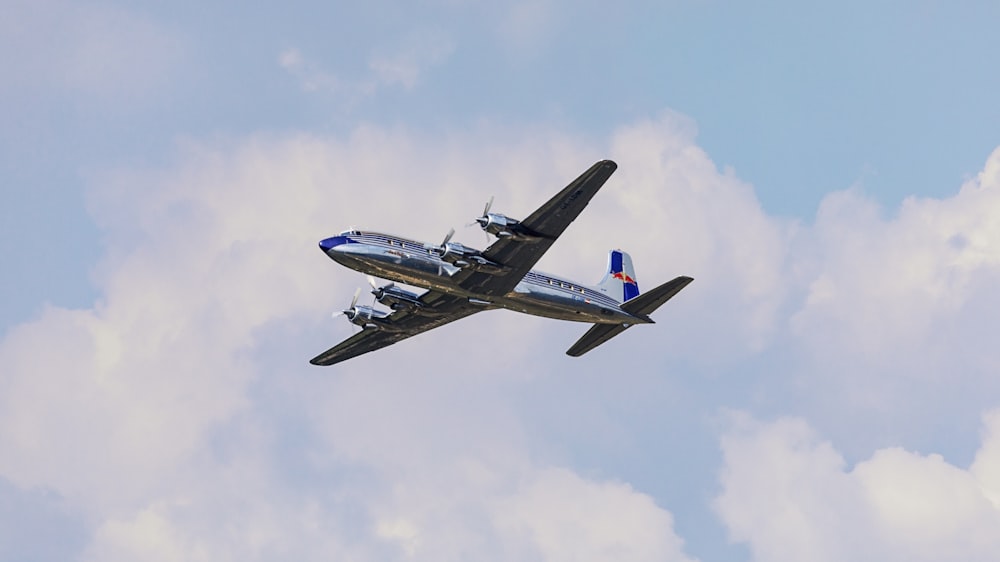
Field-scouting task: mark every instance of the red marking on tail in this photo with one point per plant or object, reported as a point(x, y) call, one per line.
point(621, 275)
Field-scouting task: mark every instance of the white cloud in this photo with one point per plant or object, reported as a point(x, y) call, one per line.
point(904, 272)
point(790, 496)
point(895, 311)
point(177, 414)
point(705, 223)
point(556, 509)
point(158, 418)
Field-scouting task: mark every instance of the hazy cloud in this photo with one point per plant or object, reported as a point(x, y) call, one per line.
point(402, 65)
point(412, 57)
point(99, 51)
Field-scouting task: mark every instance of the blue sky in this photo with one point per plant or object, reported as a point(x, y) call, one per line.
point(827, 173)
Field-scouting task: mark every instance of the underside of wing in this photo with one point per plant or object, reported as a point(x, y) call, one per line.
point(595, 336)
point(439, 309)
point(545, 225)
point(361, 342)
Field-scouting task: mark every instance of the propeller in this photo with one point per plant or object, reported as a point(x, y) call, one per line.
point(485, 218)
point(378, 292)
point(353, 311)
point(441, 249)
point(447, 238)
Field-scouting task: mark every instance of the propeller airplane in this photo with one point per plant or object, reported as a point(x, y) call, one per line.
point(459, 281)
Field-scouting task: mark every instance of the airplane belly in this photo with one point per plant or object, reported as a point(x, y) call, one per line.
point(424, 271)
point(560, 306)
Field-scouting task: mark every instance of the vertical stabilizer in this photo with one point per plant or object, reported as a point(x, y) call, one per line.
point(619, 281)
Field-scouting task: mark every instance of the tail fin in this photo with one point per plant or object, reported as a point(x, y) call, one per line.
point(619, 282)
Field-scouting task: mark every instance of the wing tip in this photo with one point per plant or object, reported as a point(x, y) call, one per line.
point(605, 166)
point(597, 335)
point(324, 360)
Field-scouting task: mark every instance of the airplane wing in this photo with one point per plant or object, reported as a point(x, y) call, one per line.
point(438, 310)
point(595, 336)
point(546, 224)
point(646, 303)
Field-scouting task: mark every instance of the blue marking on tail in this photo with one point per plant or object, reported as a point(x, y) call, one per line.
point(631, 290)
point(616, 262)
point(629, 285)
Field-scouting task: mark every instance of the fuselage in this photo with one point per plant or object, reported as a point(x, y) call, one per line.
point(417, 264)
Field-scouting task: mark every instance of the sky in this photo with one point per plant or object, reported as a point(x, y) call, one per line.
point(828, 388)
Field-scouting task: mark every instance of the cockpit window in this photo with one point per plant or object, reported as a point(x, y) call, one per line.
point(350, 233)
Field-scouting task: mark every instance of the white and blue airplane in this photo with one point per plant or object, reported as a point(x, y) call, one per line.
point(460, 281)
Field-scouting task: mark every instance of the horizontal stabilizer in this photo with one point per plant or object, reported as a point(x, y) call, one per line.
point(595, 336)
point(646, 303)
point(641, 306)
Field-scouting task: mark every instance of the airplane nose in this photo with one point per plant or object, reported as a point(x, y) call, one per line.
point(327, 244)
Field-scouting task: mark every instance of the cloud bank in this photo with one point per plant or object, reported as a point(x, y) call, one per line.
point(166, 414)
point(790, 496)
point(177, 418)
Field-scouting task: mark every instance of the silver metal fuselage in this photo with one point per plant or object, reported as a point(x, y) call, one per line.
point(410, 262)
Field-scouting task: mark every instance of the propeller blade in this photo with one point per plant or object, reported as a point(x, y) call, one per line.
point(376, 289)
point(357, 294)
point(448, 236)
point(485, 218)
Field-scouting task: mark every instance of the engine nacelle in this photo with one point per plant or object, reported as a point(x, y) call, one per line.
point(496, 224)
point(460, 255)
point(364, 316)
point(503, 226)
point(456, 253)
point(396, 298)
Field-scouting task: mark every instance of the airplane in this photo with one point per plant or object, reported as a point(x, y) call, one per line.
point(459, 281)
